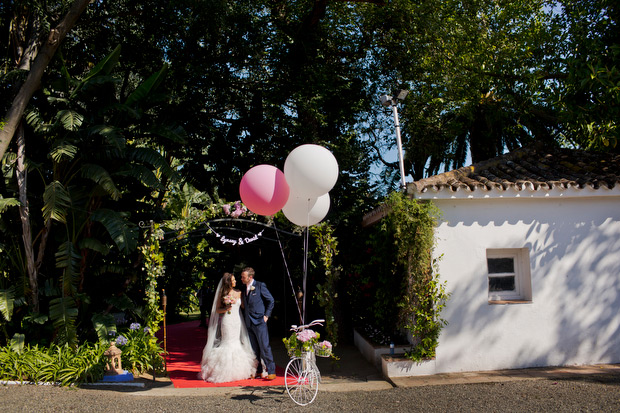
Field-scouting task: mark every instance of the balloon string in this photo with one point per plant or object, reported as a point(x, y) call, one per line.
point(289, 274)
point(305, 264)
point(306, 232)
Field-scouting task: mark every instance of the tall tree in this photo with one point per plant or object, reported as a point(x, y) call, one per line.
point(589, 97)
point(477, 74)
point(40, 62)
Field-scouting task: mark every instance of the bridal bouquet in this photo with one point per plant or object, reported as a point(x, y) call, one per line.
point(229, 300)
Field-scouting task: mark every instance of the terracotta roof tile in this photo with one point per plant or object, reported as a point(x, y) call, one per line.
point(535, 168)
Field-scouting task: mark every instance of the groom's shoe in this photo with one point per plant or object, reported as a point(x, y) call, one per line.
point(271, 377)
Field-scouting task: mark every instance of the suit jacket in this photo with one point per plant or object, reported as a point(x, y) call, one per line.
point(258, 303)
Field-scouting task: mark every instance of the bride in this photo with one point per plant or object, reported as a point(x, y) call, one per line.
point(228, 355)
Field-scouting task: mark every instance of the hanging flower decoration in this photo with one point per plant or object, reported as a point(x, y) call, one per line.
point(236, 210)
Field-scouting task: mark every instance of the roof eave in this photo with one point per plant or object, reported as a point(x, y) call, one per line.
point(513, 192)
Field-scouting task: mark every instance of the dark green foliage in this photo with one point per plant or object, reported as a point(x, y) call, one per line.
point(56, 364)
point(200, 92)
point(327, 292)
point(140, 350)
point(399, 289)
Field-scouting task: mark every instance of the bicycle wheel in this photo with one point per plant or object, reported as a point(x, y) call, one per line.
point(301, 381)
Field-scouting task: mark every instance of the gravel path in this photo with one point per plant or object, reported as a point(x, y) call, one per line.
point(601, 394)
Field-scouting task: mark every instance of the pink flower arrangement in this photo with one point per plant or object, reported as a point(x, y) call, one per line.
point(307, 335)
point(326, 345)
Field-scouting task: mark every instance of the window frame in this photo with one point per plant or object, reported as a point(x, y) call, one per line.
point(522, 276)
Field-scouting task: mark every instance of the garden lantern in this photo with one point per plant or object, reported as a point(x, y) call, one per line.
point(114, 360)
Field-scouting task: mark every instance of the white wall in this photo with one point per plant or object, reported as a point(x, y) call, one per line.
point(574, 317)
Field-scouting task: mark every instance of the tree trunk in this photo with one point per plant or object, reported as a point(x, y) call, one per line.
point(33, 81)
point(24, 214)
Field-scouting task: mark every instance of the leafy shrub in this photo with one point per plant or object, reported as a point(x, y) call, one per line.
point(397, 289)
point(55, 364)
point(140, 349)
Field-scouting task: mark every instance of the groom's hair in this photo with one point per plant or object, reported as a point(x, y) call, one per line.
point(249, 270)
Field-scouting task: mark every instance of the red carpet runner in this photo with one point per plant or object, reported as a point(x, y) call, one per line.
point(185, 342)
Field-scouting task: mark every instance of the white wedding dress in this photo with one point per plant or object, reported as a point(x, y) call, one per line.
point(228, 359)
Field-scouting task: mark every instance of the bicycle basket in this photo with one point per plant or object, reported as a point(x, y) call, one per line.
point(322, 352)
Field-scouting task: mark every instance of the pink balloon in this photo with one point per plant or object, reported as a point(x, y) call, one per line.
point(264, 190)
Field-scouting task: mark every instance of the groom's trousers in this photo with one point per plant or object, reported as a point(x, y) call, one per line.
point(259, 339)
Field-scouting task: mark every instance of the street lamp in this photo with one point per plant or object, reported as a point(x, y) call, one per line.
point(387, 100)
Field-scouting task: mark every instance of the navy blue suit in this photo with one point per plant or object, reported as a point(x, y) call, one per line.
point(258, 303)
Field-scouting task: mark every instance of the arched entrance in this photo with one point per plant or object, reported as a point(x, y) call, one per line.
point(236, 243)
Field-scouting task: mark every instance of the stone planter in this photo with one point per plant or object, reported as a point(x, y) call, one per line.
point(399, 366)
point(373, 353)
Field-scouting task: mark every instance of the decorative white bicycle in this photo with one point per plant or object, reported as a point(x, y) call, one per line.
point(302, 376)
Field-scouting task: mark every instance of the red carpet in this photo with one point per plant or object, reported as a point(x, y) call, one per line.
point(185, 342)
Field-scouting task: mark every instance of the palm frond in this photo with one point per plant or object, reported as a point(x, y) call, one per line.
point(152, 157)
point(124, 233)
point(9, 159)
point(71, 120)
point(105, 66)
point(144, 175)
point(112, 135)
point(104, 325)
point(56, 201)
point(94, 245)
point(18, 342)
point(7, 300)
point(68, 260)
point(99, 74)
point(147, 87)
point(34, 119)
point(109, 268)
point(63, 313)
point(54, 99)
point(63, 149)
point(6, 203)
point(101, 177)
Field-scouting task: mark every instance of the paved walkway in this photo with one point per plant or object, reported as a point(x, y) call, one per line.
point(498, 376)
point(353, 373)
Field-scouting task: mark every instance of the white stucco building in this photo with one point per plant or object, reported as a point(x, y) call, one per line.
point(531, 255)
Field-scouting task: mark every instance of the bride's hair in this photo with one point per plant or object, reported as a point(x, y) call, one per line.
point(226, 285)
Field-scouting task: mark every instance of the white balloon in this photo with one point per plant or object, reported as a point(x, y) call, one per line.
point(310, 170)
point(305, 211)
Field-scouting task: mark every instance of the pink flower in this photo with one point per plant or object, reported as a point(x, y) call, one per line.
point(306, 335)
point(229, 300)
point(226, 209)
point(325, 345)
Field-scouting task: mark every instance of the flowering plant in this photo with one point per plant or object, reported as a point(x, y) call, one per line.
point(121, 340)
point(140, 349)
point(301, 342)
point(252, 288)
point(229, 300)
point(236, 210)
point(323, 349)
point(325, 345)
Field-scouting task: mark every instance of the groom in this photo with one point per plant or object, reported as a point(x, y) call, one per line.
point(258, 304)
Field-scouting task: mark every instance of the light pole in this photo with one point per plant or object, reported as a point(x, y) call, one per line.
point(387, 100)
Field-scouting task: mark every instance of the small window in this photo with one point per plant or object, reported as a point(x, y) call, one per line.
point(509, 278)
